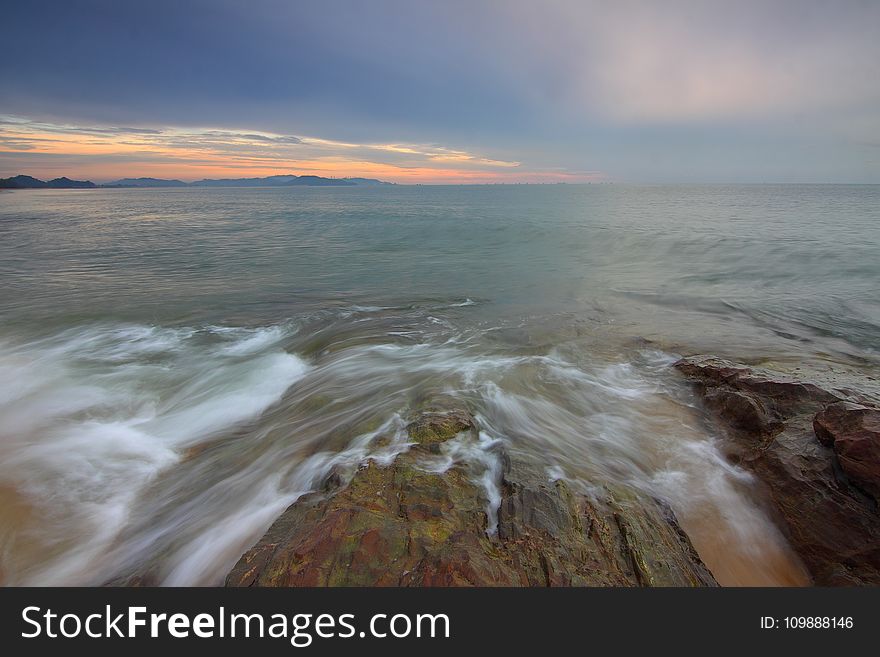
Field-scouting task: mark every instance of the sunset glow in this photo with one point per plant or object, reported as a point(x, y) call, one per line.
point(499, 92)
point(110, 153)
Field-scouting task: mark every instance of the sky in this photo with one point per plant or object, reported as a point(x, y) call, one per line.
point(443, 92)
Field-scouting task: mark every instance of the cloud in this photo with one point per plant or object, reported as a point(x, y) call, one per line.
point(195, 153)
point(678, 62)
point(679, 89)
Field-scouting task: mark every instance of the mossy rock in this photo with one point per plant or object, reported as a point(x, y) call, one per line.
point(439, 426)
point(401, 525)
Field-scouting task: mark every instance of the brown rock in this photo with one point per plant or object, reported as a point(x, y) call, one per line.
point(742, 411)
point(853, 431)
point(402, 525)
point(768, 421)
point(560, 538)
point(439, 426)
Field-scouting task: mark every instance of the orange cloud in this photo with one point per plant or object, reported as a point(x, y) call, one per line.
point(110, 153)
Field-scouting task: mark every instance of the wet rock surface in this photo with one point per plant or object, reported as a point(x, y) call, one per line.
point(853, 431)
point(815, 451)
point(410, 523)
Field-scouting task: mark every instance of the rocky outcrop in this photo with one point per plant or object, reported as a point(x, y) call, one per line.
point(853, 431)
point(816, 451)
point(411, 523)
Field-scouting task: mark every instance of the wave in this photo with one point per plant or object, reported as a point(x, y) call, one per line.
point(140, 449)
point(89, 417)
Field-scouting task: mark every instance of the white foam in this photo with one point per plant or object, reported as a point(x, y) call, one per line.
point(89, 417)
point(256, 340)
point(484, 462)
point(92, 418)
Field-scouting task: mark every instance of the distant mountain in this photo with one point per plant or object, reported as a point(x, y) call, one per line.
point(29, 182)
point(67, 183)
point(288, 181)
point(368, 181)
point(145, 182)
point(21, 182)
point(269, 181)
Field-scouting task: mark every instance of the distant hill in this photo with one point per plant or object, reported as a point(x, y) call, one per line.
point(29, 182)
point(288, 181)
point(269, 181)
point(67, 183)
point(145, 182)
point(368, 181)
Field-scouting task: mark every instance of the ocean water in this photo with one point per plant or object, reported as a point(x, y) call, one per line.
point(177, 366)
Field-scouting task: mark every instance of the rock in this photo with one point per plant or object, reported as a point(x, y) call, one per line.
point(439, 426)
point(557, 537)
point(741, 411)
point(853, 431)
point(778, 395)
point(403, 525)
point(817, 499)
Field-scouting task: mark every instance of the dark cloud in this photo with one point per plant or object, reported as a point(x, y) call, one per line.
point(275, 64)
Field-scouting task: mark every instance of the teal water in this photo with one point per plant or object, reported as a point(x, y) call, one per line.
point(177, 366)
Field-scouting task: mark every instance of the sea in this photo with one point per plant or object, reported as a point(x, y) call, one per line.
point(177, 366)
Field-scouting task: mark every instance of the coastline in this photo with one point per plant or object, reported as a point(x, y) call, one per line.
point(173, 392)
point(402, 523)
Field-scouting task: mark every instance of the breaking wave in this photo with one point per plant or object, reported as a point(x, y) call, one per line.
point(132, 449)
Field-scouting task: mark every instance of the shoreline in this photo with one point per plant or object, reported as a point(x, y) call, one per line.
point(399, 524)
point(456, 508)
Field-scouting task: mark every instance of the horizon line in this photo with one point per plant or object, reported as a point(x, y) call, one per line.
point(108, 184)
